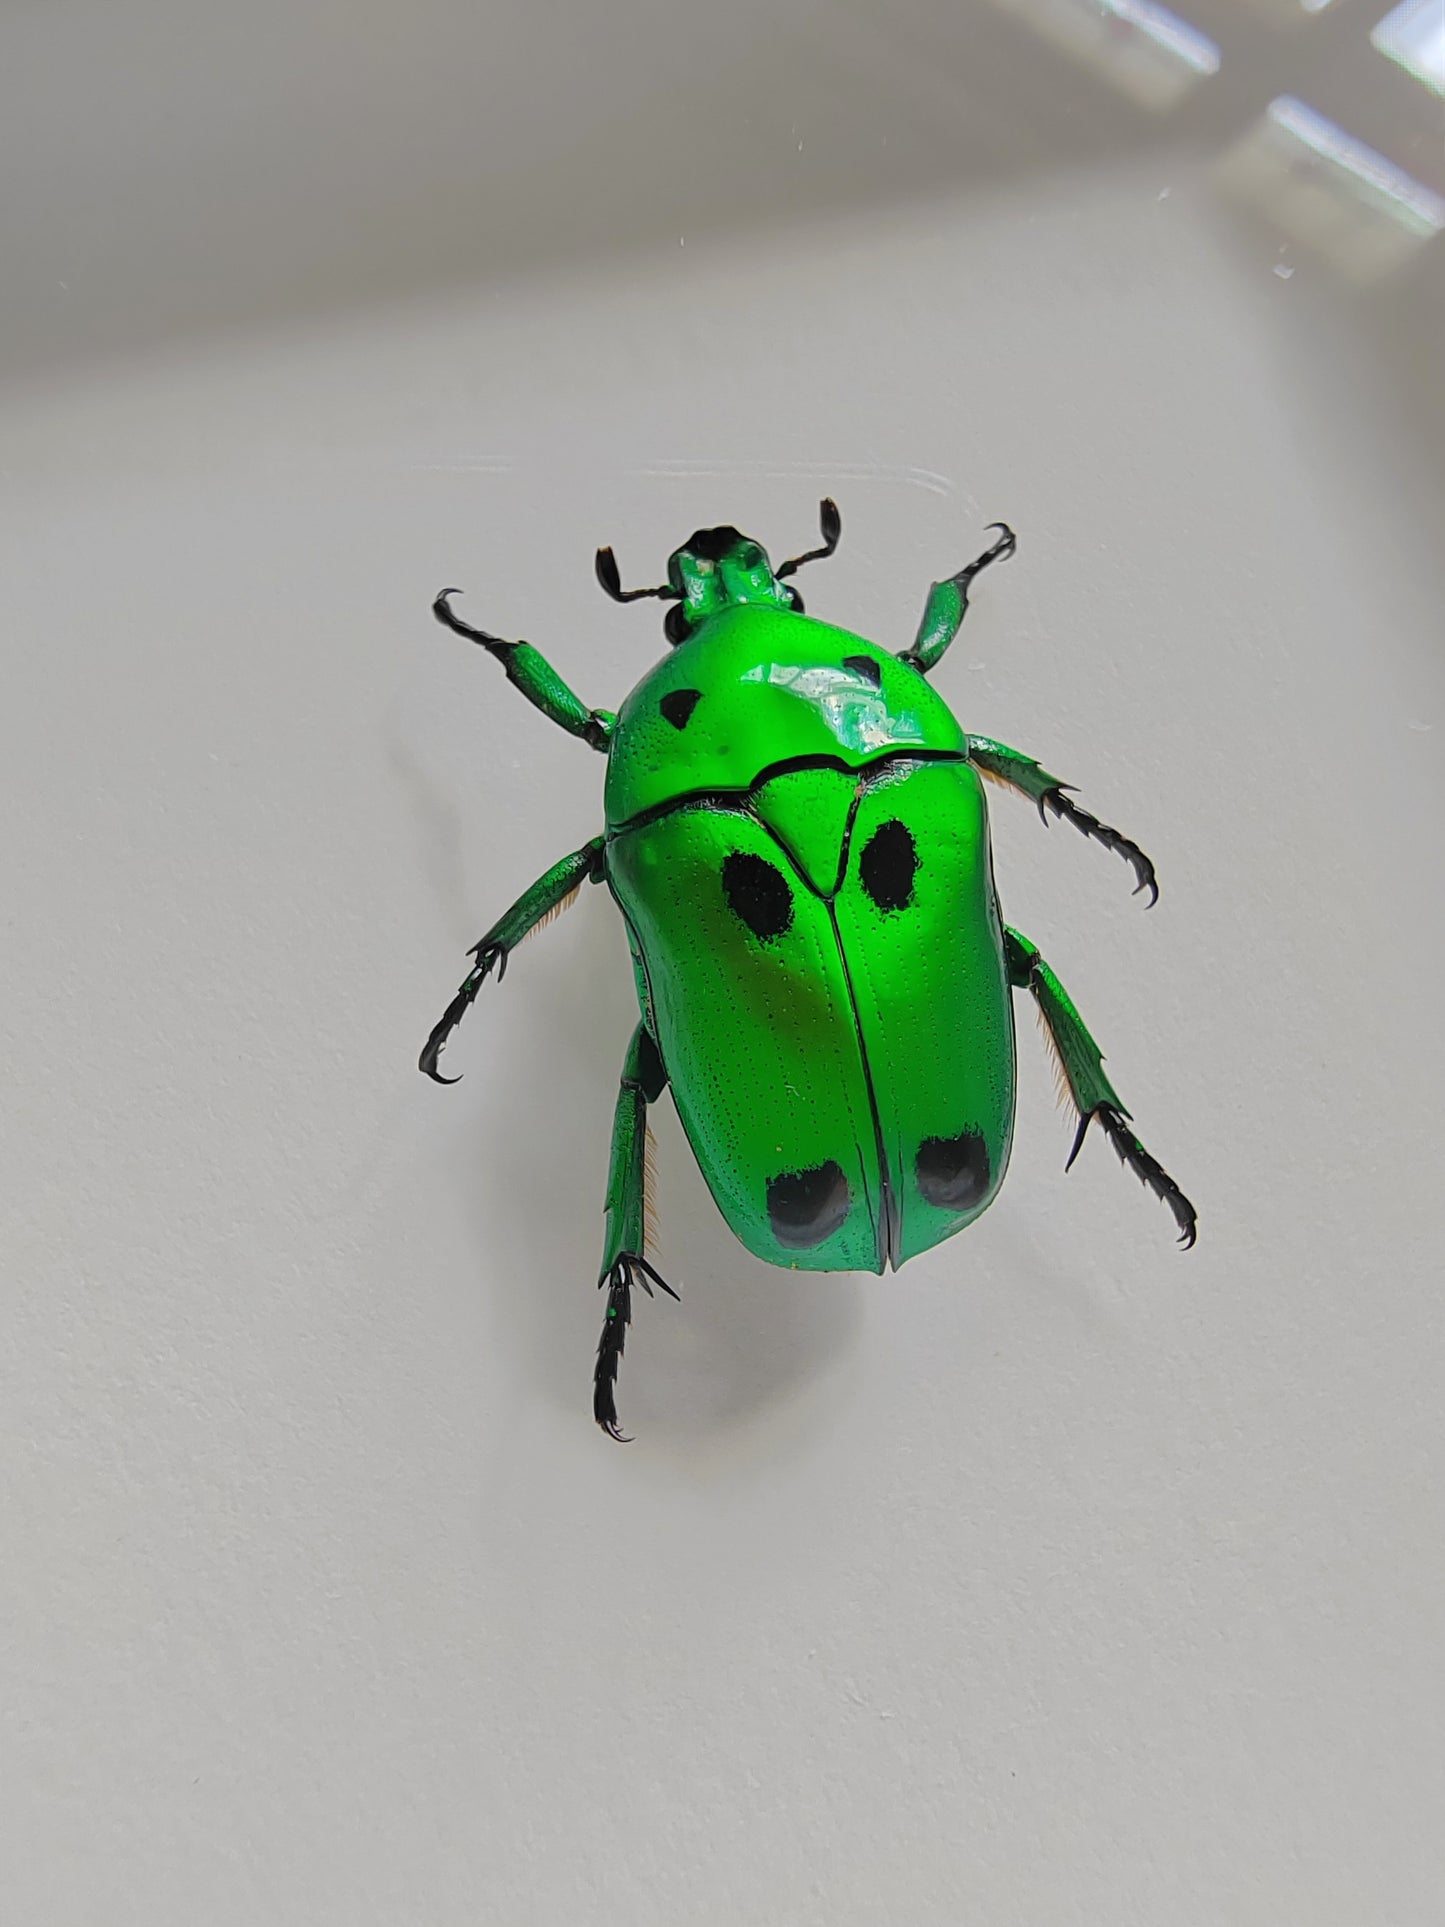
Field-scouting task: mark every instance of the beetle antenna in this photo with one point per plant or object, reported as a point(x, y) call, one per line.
point(831, 524)
point(612, 582)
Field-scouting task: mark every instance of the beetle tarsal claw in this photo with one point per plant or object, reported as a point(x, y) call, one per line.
point(610, 1348)
point(442, 610)
point(629, 1268)
point(1145, 1166)
point(489, 956)
point(1055, 799)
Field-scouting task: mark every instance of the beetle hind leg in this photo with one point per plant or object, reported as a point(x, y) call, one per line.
point(623, 1262)
point(1082, 1065)
point(1113, 1121)
point(626, 1271)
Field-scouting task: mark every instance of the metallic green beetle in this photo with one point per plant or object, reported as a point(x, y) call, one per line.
point(797, 838)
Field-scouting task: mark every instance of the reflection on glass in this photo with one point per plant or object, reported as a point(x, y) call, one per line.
point(1414, 36)
point(1329, 190)
point(1142, 49)
point(1286, 13)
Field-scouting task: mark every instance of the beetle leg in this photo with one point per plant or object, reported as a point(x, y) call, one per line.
point(538, 681)
point(548, 895)
point(830, 526)
point(623, 1263)
point(1019, 772)
point(1082, 1065)
point(947, 605)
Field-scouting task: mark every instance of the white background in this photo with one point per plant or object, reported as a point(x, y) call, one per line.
point(1062, 1578)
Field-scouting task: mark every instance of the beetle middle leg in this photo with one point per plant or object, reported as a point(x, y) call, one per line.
point(1083, 1068)
point(1019, 772)
point(623, 1263)
point(947, 605)
point(550, 893)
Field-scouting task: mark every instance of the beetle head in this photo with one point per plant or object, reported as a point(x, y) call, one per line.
point(717, 569)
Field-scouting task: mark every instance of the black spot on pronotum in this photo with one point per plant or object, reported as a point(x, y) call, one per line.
point(953, 1172)
point(865, 667)
point(757, 891)
point(805, 1207)
point(678, 704)
point(888, 866)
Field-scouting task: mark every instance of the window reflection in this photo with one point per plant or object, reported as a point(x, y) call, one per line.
point(1413, 36)
point(1142, 49)
point(1327, 189)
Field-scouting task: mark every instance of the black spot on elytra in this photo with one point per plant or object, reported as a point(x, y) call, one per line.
point(953, 1172)
point(805, 1207)
point(678, 704)
point(867, 668)
point(888, 866)
point(757, 891)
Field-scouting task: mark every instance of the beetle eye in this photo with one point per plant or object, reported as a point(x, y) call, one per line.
point(749, 555)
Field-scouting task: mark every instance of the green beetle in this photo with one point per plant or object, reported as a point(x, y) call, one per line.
point(797, 838)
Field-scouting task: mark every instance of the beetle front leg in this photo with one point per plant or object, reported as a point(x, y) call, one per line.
point(529, 670)
point(1083, 1068)
point(1019, 772)
point(947, 605)
point(549, 894)
point(623, 1263)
